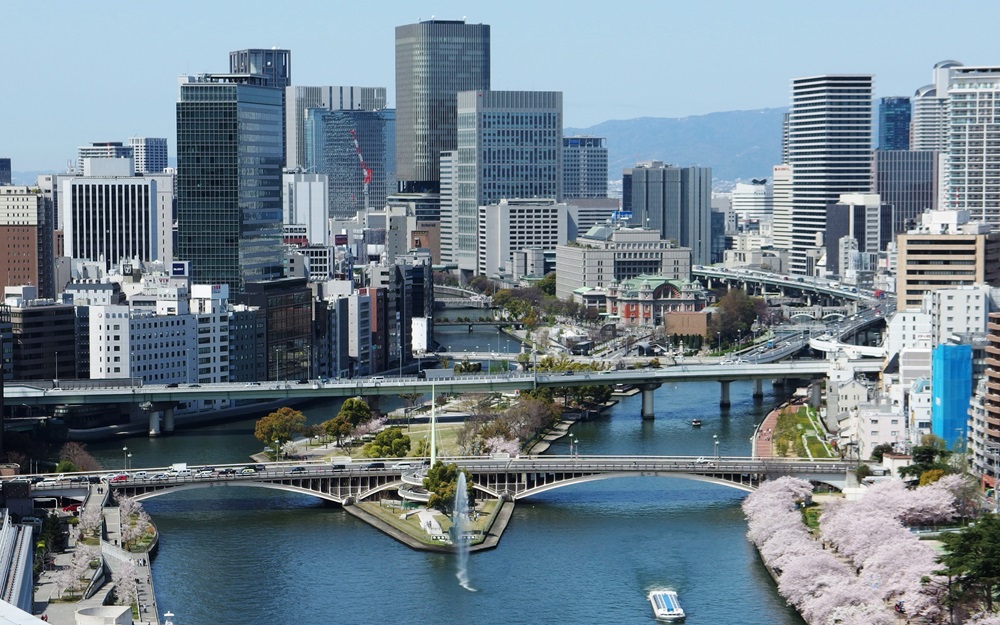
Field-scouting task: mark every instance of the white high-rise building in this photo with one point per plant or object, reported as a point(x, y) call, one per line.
point(781, 202)
point(973, 161)
point(929, 121)
point(305, 203)
point(753, 202)
point(829, 149)
point(150, 154)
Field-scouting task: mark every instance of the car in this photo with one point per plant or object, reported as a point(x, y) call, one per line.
point(172, 385)
point(247, 471)
point(378, 378)
point(80, 479)
point(252, 384)
point(140, 475)
point(210, 469)
point(121, 477)
point(701, 460)
point(375, 465)
point(227, 471)
point(194, 385)
point(159, 477)
point(204, 473)
point(403, 465)
point(568, 372)
point(298, 470)
point(338, 467)
point(73, 507)
point(303, 381)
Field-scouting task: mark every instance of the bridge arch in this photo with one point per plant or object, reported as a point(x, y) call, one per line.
point(169, 489)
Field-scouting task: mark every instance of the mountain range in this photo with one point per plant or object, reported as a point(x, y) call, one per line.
point(737, 145)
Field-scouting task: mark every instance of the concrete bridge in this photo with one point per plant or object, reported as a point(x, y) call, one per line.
point(758, 282)
point(162, 398)
point(506, 478)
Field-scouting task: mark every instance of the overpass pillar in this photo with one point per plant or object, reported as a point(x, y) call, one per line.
point(154, 423)
point(724, 399)
point(168, 419)
point(758, 389)
point(647, 399)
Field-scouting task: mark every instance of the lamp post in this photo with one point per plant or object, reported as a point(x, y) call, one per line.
point(570, 444)
point(125, 456)
point(719, 335)
point(534, 366)
point(128, 461)
point(715, 438)
point(57, 370)
point(277, 448)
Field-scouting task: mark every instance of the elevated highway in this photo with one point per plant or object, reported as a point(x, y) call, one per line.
point(784, 284)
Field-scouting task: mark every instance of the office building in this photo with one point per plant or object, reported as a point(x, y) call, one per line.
point(509, 146)
point(305, 204)
point(44, 336)
point(781, 222)
point(229, 180)
point(115, 215)
point(272, 65)
point(907, 181)
point(753, 202)
point(435, 60)
point(929, 124)
point(829, 149)
point(946, 250)
point(5, 173)
point(448, 203)
point(864, 219)
point(585, 167)
point(26, 240)
point(106, 149)
point(513, 225)
point(894, 123)
point(332, 98)
point(676, 201)
point(973, 165)
point(353, 149)
point(984, 412)
point(149, 153)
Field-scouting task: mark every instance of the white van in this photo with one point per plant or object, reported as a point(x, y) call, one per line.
point(184, 473)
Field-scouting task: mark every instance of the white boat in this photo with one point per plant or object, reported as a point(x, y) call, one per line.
point(666, 607)
point(696, 422)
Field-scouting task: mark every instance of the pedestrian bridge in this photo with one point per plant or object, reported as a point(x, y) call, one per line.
point(512, 479)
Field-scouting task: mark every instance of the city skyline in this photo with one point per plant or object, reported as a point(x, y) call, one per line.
point(600, 59)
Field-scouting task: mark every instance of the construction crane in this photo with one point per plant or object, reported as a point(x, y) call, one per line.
point(366, 173)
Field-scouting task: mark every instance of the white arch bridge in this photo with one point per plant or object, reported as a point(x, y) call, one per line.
point(511, 479)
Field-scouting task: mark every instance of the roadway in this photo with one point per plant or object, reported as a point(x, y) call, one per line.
point(43, 393)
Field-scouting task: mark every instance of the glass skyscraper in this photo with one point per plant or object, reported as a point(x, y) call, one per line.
point(434, 61)
point(906, 180)
point(894, 124)
point(229, 153)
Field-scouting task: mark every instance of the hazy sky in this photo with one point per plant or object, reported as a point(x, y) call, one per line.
point(80, 72)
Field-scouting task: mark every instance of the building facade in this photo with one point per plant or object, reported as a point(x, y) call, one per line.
point(26, 240)
point(585, 167)
point(973, 162)
point(929, 124)
point(105, 149)
point(894, 123)
point(676, 201)
point(229, 145)
point(829, 149)
point(272, 65)
point(509, 146)
point(435, 60)
point(907, 181)
point(149, 154)
point(332, 98)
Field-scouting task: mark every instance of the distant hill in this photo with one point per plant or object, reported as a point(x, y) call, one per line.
point(735, 144)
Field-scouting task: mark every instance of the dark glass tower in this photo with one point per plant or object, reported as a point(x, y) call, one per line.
point(434, 61)
point(894, 124)
point(229, 153)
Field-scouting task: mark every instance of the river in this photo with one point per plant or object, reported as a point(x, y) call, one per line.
point(586, 553)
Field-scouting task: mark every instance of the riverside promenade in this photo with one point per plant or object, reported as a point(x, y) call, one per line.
point(47, 589)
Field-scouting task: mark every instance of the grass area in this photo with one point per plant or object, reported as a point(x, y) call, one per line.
point(790, 429)
point(390, 513)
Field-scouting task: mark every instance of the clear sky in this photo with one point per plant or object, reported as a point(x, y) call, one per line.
point(78, 72)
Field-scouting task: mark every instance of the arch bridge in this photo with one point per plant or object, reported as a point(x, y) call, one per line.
point(512, 479)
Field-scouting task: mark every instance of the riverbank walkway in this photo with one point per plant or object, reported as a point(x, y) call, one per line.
point(49, 584)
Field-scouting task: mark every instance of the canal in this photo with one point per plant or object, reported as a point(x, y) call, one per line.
point(587, 553)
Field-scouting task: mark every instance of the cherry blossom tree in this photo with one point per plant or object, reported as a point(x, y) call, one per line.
point(126, 589)
point(500, 445)
point(91, 518)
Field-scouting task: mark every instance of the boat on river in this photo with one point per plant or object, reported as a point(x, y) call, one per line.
point(696, 423)
point(666, 607)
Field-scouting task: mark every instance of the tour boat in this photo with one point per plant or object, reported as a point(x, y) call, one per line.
point(666, 607)
point(696, 422)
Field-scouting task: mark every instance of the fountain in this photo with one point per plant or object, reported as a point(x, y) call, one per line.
point(460, 532)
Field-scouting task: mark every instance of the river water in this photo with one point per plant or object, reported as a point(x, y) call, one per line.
point(586, 553)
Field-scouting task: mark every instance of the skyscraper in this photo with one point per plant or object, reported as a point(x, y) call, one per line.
point(229, 153)
point(331, 98)
point(894, 123)
point(585, 167)
point(907, 181)
point(829, 149)
point(150, 154)
point(434, 61)
point(5, 177)
point(103, 149)
point(973, 162)
point(929, 127)
point(509, 146)
point(676, 201)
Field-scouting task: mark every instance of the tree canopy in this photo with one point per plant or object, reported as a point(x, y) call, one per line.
point(972, 561)
point(281, 425)
point(355, 410)
point(389, 443)
point(442, 483)
point(735, 313)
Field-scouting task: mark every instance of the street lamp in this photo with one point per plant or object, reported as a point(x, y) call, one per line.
point(128, 461)
point(277, 448)
point(715, 438)
point(125, 456)
point(719, 334)
point(534, 365)
point(570, 444)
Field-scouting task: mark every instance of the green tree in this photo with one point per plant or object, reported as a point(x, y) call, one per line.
point(337, 428)
point(879, 450)
point(932, 455)
point(355, 410)
point(735, 312)
point(547, 284)
point(972, 561)
point(442, 483)
point(389, 443)
point(281, 425)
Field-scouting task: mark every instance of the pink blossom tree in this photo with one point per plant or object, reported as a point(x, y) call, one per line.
point(126, 589)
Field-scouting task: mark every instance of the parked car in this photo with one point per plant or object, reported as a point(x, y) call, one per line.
point(73, 507)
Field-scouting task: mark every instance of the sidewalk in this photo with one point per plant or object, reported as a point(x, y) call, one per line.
point(64, 613)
